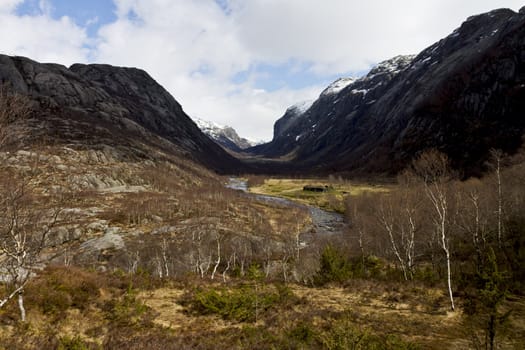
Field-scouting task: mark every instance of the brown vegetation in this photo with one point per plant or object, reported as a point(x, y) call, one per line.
point(117, 252)
point(466, 235)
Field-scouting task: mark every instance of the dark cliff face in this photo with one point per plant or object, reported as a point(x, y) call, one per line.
point(93, 104)
point(317, 130)
point(463, 95)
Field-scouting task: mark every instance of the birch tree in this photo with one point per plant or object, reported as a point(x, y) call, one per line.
point(24, 234)
point(27, 218)
point(398, 216)
point(434, 169)
point(497, 157)
point(475, 207)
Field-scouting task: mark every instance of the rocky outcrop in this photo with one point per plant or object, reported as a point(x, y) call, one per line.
point(463, 95)
point(104, 105)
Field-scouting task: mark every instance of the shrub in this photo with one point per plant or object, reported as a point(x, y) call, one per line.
point(303, 333)
point(334, 267)
point(72, 343)
point(58, 289)
point(126, 311)
point(242, 303)
point(343, 334)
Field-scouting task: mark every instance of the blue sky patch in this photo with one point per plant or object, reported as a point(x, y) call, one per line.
point(293, 75)
point(223, 4)
point(90, 14)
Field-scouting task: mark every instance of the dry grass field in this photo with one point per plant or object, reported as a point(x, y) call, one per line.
point(72, 308)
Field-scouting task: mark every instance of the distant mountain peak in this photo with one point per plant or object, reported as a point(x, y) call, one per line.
point(224, 135)
point(391, 66)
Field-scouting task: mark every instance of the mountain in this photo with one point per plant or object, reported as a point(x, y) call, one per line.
point(310, 122)
point(100, 105)
point(224, 135)
point(463, 95)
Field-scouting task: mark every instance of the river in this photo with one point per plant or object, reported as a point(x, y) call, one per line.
point(323, 222)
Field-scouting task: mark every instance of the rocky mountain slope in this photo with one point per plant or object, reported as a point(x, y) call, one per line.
point(463, 95)
point(104, 170)
point(101, 105)
point(224, 135)
point(313, 121)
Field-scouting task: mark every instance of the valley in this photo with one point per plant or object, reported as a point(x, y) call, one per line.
point(389, 213)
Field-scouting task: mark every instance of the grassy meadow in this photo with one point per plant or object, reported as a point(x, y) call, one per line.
point(333, 199)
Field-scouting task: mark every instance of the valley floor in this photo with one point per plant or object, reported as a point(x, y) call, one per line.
point(161, 255)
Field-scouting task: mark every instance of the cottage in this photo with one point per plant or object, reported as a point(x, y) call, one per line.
point(311, 188)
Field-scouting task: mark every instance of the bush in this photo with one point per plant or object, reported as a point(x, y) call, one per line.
point(303, 333)
point(72, 343)
point(343, 334)
point(243, 303)
point(334, 267)
point(126, 311)
point(58, 289)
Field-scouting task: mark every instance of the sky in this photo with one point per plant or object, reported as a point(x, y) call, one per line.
point(235, 62)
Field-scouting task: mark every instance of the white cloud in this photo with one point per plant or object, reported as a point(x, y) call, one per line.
point(188, 35)
point(45, 7)
point(190, 47)
point(7, 6)
point(92, 21)
point(41, 37)
point(343, 35)
point(250, 110)
point(194, 48)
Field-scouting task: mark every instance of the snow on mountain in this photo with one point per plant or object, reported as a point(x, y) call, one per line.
point(209, 128)
point(306, 121)
point(392, 66)
point(301, 107)
point(337, 86)
point(468, 86)
point(224, 135)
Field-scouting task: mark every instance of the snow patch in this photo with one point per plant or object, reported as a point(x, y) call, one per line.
point(393, 65)
point(217, 131)
point(204, 124)
point(337, 86)
point(301, 107)
point(359, 91)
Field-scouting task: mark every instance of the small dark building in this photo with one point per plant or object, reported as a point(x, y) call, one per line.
point(311, 188)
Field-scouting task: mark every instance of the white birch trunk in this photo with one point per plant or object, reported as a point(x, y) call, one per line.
point(21, 306)
point(218, 261)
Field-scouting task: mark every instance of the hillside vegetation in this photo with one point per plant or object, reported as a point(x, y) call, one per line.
point(116, 234)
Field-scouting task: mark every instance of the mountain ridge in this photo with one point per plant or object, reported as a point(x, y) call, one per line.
point(462, 95)
point(102, 104)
